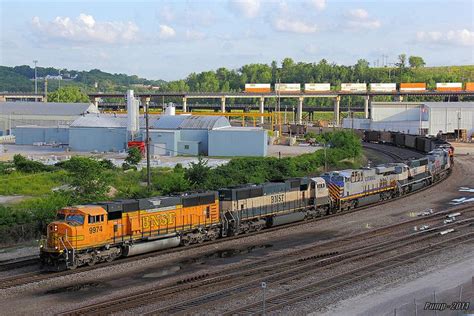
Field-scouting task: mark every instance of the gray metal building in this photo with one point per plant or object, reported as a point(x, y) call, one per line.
point(183, 134)
point(98, 133)
point(28, 135)
point(169, 135)
point(428, 118)
point(238, 141)
point(13, 114)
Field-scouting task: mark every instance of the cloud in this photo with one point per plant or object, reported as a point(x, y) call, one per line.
point(359, 14)
point(166, 32)
point(358, 19)
point(318, 4)
point(462, 37)
point(194, 35)
point(86, 29)
point(248, 8)
point(294, 26)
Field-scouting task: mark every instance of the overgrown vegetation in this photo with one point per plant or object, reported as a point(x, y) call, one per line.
point(84, 180)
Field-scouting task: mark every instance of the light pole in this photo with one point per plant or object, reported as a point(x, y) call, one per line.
point(36, 78)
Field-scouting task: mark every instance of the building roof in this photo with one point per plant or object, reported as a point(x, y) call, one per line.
point(455, 105)
point(190, 122)
point(240, 129)
point(100, 120)
point(161, 122)
point(46, 108)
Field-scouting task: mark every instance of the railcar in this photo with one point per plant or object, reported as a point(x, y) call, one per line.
point(353, 188)
point(251, 208)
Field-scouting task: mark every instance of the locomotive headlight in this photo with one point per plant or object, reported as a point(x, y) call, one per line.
point(56, 248)
point(55, 228)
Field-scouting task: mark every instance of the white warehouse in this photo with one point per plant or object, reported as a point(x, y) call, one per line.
point(428, 118)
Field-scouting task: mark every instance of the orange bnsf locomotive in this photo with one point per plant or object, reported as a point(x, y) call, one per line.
point(95, 233)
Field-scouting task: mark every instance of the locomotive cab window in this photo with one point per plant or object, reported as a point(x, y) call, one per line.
point(96, 219)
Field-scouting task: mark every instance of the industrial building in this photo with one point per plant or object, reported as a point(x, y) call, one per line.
point(28, 135)
point(427, 118)
point(170, 134)
point(96, 132)
point(14, 114)
point(238, 141)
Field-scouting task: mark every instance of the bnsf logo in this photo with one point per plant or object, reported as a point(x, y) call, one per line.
point(278, 198)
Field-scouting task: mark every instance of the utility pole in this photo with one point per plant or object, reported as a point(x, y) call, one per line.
point(59, 85)
point(45, 90)
point(36, 78)
point(147, 143)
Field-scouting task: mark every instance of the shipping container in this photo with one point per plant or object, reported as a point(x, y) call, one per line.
point(414, 86)
point(354, 87)
point(469, 86)
point(288, 87)
point(449, 86)
point(257, 87)
point(317, 87)
point(383, 87)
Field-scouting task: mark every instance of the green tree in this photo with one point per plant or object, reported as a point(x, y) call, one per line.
point(402, 61)
point(416, 61)
point(88, 179)
point(134, 156)
point(198, 172)
point(70, 94)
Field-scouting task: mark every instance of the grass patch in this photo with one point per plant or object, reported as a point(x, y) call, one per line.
point(37, 184)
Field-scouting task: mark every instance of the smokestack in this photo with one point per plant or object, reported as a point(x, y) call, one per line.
point(132, 115)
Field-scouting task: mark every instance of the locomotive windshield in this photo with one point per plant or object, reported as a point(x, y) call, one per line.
point(75, 218)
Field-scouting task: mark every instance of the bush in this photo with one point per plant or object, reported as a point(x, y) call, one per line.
point(172, 182)
point(28, 166)
point(134, 156)
point(88, 178)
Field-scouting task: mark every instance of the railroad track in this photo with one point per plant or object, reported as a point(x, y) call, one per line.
point(18, 263)
point(305, 267)
point(301, 260)
point(280, 301)
point(396, 153)
point(40, 276)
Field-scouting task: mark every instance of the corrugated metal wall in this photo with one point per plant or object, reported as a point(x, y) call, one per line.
point(238, 142)
point(97, 139)
point(51, 135)
point(450, 118)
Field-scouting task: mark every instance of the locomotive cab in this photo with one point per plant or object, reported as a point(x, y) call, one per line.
point(74, 229)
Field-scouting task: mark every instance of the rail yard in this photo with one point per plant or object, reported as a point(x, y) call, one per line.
point(305, 265)
point(237, 157)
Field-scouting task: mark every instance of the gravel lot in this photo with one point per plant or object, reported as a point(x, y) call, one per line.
point(61, 294)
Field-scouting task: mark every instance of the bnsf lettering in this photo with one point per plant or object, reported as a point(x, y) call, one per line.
point(158, 220)
point(278, 198)
point(96, 229)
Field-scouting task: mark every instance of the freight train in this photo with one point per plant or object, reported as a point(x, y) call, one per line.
point(289, 88)
point(88, 234)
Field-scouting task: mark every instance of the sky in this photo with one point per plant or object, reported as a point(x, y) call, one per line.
point(171, 39)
